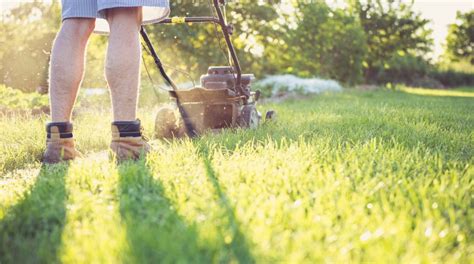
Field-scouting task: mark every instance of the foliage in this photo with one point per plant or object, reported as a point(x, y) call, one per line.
point(383, 41)
point(393, 30)
point(27, 34)
point(460, 66)
point(460, 40)
point(322, 42)
point(14, 99)
point(29, 31)
point(456, 67)
point(453, 78)
point(403, 69)
point(453, 73)
point(194, 47)
point(350, 177)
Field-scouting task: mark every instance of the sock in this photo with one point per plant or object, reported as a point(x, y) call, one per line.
point(128, 128)
point(63, 128)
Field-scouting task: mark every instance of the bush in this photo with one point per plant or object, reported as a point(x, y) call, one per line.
point(403, 68)
point(415, 71)
point(12, 99)
point(286, 84)
point(427, 82)
point(452, 78)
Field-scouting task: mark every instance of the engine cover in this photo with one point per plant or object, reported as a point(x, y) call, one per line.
point(223, 77)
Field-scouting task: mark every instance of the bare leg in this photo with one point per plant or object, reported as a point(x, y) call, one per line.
point(67, 66)
point(122, 68)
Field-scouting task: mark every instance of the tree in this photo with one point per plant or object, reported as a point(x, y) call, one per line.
point(320, 41)
point(393, 30)
point(194, 47)
point(460, 40)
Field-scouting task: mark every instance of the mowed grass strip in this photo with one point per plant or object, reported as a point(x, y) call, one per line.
point(93, 231)
point(375, 176)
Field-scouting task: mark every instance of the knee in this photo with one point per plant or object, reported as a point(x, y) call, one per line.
point(80, 28)
point(124, 17)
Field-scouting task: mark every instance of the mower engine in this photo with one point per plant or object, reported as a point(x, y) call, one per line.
point(212, 107)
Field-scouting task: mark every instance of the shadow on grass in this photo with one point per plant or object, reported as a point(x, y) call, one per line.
point(31, 230)
point(238, 246)
point(155, 231)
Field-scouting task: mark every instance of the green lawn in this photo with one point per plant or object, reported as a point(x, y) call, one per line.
point(380, 176)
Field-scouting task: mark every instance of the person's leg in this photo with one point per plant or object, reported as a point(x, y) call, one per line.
point(122, 68)
point(66, 72)
point(122, 71)
point(67, 66)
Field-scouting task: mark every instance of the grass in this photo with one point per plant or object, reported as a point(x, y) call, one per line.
point(382, 176)
point(460, 92)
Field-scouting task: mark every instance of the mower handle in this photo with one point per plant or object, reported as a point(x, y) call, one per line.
point(226, 30)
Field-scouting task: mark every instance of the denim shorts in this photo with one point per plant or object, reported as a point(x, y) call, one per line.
point(153, 10)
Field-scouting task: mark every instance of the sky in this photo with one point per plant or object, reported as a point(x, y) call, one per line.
point(440, 12)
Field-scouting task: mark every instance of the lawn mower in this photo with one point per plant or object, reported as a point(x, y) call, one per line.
point(224, 99)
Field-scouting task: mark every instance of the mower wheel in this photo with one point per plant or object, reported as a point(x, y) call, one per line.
point(249, 117)
point(271, 116)
point(169, 123)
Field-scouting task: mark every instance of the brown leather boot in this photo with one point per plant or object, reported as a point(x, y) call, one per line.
point(128, 142)
point(60, 143)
